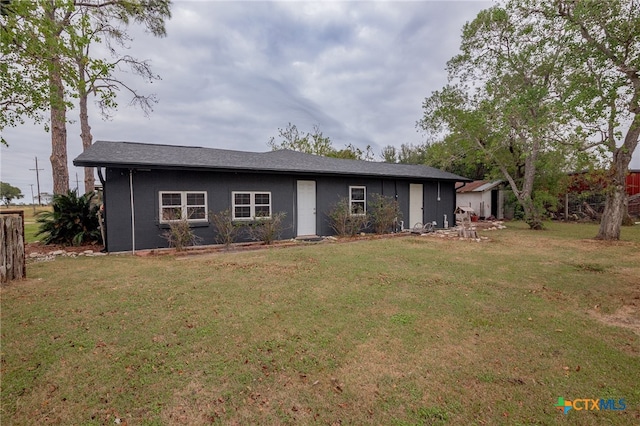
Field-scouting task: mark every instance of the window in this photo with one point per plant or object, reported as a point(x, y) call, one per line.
point(358, 200)
point(251, 205)
point(191, 206)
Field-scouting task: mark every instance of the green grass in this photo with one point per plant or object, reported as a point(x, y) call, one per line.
point(403, 331)
point(30, 225)
point(30, 231)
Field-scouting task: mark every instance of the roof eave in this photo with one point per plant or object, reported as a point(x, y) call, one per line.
point(152, 166)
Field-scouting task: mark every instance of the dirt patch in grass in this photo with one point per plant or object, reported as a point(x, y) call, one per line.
point(627, 316)
point(195, 404)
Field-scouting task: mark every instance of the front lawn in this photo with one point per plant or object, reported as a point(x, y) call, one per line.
point(402, 331)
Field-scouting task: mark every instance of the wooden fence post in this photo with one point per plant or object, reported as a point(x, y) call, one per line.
point(12, 254)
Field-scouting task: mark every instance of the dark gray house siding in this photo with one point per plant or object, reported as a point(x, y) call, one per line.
point(279, 177)
point(146, 189)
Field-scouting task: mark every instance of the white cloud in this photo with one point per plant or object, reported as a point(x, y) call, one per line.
point(234, 72)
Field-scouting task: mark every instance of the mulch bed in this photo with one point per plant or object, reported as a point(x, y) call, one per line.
point(50, 248)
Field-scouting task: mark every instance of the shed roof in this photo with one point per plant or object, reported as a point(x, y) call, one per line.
point(479, 186)
point(156, 156)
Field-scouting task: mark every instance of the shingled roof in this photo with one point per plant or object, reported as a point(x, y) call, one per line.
point(155, 156)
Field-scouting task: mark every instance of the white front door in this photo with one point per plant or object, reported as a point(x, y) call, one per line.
point(306, 207)
point(415, 204)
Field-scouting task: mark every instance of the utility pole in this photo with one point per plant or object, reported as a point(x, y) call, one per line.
point(33, 200)
point(38, 180)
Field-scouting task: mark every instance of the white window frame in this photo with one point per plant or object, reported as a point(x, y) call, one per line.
point(183, 206)
point(353, 201)
point(252, 205)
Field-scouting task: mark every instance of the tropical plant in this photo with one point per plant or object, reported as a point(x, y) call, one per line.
point(73, 220)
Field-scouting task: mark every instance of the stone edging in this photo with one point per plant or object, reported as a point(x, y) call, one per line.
point(49, 256)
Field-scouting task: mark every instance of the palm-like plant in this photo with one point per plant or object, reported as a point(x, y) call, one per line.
point(73, 221)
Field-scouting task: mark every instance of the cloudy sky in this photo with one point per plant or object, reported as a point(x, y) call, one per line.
point(234, 72)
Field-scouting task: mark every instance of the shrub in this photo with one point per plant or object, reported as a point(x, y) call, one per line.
point(267, 229)
point(343, 222)
point(384, 211)
point(180, 235)
point(226, 230)
point(73, 220)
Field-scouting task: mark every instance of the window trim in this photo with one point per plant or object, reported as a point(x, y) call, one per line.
point(183, 206)
point(352, 201)
point(252, 205)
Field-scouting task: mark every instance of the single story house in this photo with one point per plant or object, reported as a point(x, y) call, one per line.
point(486, 198)
point(145, 186)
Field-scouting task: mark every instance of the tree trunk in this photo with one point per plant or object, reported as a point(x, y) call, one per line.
point(616, 202)
point(87, 140)
point(525, 196)
point(58, 158)
point(531, 214)
point(614, 210)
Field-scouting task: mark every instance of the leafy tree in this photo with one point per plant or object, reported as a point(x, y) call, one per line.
point(389, 154)
point(73, 220)
point(309, 143)
point(41, 44)
point(446, 154)
point(501, 99)
point(34, 49)
point(9, 193)
point(352, 152)
point(454, 157)
point(411, 154)
point(602, 85)
point(316, 143)
point(407, 154)
point(23, 91)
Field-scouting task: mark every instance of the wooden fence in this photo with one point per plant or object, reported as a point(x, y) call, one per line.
point(12, 257)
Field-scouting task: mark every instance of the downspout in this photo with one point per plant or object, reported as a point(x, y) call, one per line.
point(104, 204)
point(133, 216)
point(395, 197)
